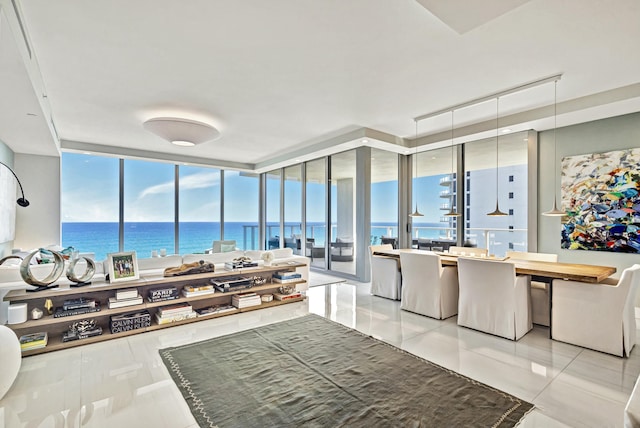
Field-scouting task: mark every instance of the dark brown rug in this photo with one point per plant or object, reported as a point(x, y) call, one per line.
point(313, 372)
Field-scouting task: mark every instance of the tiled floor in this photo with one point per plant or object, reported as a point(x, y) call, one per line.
point(123, 383)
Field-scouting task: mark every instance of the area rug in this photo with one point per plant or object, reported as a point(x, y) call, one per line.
point(313, 372)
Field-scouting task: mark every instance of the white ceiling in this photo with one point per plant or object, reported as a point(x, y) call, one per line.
point(285, 80)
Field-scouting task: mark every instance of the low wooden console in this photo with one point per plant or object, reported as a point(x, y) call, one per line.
point(102, 291)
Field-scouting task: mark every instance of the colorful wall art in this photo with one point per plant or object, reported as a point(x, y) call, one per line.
point(600, 193)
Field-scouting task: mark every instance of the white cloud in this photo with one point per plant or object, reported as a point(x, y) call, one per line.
point(199, 180)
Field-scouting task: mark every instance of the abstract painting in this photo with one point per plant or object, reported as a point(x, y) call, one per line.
point(600, 193)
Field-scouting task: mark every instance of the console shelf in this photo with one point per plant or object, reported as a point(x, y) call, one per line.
point(102, 291)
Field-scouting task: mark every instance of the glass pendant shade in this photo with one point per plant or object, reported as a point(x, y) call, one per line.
point(554, 212)
point(416, 213)
point(496, 212)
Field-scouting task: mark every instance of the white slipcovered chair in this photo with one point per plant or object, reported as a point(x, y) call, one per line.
point(539, 290)
point(428, 288)
point(597, 316)
point(493, 299)
point(469, 251)
point(223, 246)
point(385, 274)
point(10, 357)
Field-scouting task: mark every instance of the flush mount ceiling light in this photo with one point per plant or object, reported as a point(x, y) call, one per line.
point(181, 132)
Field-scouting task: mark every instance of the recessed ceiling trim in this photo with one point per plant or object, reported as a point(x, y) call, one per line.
point(22, 30)
point(493, 96)
point(125, 152)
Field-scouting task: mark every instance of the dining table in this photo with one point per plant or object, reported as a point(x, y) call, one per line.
point(548, 270)
point(539, 271)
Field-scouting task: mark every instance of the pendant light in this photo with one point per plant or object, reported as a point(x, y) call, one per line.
point(452, 212)
point(497, 212)
point(554, 212)
point(416, 213)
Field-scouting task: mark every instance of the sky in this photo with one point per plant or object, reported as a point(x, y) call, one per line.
point(90, 194)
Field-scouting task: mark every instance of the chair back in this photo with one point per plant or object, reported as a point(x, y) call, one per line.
point(469, 250)
point(374, 248)
point(224, 246)
point(389, 241)
point(421, 265)
point(385, 273)
point(422, 287)
point(487, 300)
point(538, 257)
point(424, 244)
point(630, 278)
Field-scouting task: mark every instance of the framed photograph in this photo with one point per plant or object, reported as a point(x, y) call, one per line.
point(123, 266)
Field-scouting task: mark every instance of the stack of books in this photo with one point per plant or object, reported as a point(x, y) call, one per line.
point(177, 312)
point(130, 321)
point(33, 341)
point(283, 297)
point(284, 277)
point(197, 290)
point(125, 297)
point(76, 307)
point(231, 284)
point(245, 300)
point(162, 293)
point(240, 264)
point(215, 309)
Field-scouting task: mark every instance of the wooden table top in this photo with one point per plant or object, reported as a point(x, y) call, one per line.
point(553, 270)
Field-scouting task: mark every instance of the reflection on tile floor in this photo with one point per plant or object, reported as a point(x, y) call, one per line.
point(123, 383)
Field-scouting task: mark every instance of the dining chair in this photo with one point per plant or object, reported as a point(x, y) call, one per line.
point(428, 288)
point(469, 251)
point(539, 290)
point(493, 299)
point(386, 280)
point(224, 246)
point(597, 316)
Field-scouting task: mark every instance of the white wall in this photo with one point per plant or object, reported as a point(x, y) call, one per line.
point(6, 156)
point(39, 224)
point(605, 135)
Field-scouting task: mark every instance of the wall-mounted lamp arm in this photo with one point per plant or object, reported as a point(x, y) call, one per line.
point(21, 201)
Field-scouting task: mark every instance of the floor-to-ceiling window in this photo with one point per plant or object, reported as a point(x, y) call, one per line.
point(149, 210)
point(241, 209)
point(342, 247)
point(272, 208)
point(199, 210)
point(434, 191)
point(293, 207)
point(89, 203)
point(384, 196)
point(316, 226)
point(504, 180)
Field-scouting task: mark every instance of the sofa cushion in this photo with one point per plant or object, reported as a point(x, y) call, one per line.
point(280, 253)
point(173, 260)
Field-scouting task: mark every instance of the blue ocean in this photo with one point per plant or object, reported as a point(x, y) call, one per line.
point(196, 237)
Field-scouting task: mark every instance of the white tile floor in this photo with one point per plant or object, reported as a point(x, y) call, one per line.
point(123, 383)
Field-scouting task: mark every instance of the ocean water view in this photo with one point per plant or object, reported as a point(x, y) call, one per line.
point(196, 237)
